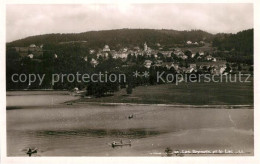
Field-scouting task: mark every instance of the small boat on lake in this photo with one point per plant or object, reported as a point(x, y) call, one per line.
point(31, 151)
point(115, 144)
point(131, 116)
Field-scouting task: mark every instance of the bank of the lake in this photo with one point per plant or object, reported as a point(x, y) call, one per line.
point(183, 94)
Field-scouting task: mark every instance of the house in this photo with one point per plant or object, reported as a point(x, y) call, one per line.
point(122, 55)
point(189, 42)
point(183, 69)
point(183, 56)
point(99, 54)
point(170, 65)
point(209, 57)
point(166, 53)
point(138, 52)
point(114, 54)
point(218, 70)
point(91, 51)
point(193, 66)
point(131, 52)
point(31, 49)
point(178, 52)
point(202, 42)
point(106, 48)
point(154, 52)
point(32, 46)
point(103, 54)
point(147, 63)
point(86, 58)
point(222, 69)
point(30, 56)
point(158, 63)
point(176, 67)
point(189, 70)
point(201, 53)
point(136, 48)
point(94, 62)
point(186, 70)
point(203, 65)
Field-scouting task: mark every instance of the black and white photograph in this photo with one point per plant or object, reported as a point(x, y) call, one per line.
point(165, 80)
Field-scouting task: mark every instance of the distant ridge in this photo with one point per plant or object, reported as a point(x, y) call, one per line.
point(118, 36)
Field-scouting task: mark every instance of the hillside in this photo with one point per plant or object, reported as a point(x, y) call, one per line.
point(240, 46)
point(241, 41)
point(121, 37)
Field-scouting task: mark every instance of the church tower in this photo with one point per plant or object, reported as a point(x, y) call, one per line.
point(145, 47)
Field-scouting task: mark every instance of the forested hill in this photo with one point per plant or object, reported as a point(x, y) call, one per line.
point(239, 45)
point(242, 41)
point(121, 37)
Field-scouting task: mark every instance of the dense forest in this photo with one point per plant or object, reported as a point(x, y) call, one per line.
point(240, 46)
point(119, 38)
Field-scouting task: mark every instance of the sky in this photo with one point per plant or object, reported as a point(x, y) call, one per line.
point(28, 20)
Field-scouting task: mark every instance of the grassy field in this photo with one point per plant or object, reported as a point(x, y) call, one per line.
point(185, 93)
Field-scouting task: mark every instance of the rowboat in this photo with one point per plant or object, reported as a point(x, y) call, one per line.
point(131, 116)
point(114, 144)
point(31, 151)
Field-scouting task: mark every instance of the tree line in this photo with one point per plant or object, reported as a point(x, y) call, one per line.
point(240, 46)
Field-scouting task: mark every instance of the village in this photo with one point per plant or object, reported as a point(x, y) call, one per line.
point(192, 57)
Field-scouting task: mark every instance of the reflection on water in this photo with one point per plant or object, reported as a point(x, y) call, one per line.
point(123, 133)
point(88, 130)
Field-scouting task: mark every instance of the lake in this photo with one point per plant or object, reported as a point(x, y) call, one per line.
point(41, 119)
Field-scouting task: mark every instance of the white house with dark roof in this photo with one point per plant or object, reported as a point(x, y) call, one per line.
point(30, 56)
point(189, 42)
point(148, 63)
point(106, 48)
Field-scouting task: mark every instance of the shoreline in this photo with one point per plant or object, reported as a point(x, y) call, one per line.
point(119, 96)
point(161, 105)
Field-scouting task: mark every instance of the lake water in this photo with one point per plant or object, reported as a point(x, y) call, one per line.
point(41, 119)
